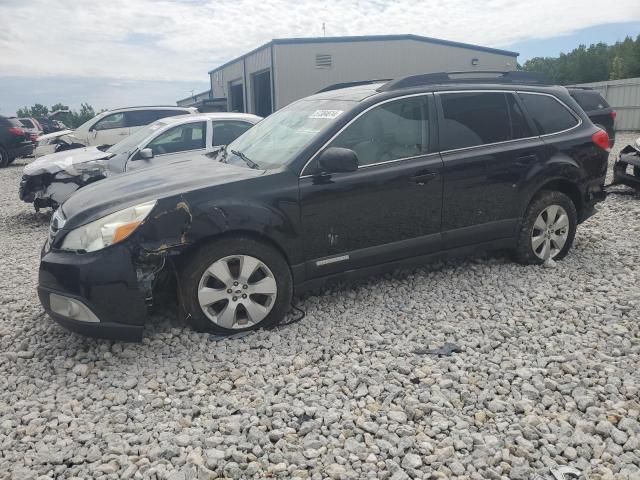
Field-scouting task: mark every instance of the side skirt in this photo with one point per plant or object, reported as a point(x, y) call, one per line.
point(505, 243)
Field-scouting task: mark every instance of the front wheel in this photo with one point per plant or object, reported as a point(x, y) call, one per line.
point(548, 228)
point(235, 284)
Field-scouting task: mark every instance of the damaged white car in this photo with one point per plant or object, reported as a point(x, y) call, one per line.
point(106, 128)
point(52, 179)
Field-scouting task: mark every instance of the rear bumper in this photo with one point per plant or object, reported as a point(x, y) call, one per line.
point(23, 150)
point(105, 282)
point(594, 194)
point(624, 170)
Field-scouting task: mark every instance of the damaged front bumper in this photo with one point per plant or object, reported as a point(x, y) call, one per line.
point(626, 170)
point(52, 190)
point(96, 294)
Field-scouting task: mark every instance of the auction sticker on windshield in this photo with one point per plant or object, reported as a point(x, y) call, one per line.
point(326, 113)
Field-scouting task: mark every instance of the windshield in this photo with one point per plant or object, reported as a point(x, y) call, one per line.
point(276, 140)
point(133, 140)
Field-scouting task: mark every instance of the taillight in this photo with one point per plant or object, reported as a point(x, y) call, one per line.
point(17, 131)
point(601, 139)
point(613, 114)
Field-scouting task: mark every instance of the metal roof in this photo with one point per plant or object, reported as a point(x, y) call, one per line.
point(367, 38)
point(195, 95)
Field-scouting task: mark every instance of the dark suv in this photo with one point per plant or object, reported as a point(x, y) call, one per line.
point(352, 180)
point(596, 108)
point(15, 141)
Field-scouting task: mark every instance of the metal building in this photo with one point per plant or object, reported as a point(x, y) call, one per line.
point(204, 102)
point(284, 70)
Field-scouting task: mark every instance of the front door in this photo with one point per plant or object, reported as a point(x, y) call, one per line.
point(390, 208)
point(178, 143)
point(109, 130)
point(487, 149)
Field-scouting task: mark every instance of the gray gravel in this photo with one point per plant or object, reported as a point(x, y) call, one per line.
point(548, 374)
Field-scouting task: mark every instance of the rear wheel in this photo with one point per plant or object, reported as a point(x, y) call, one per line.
point(235, 284)
point(4, 158)
point(548, 228)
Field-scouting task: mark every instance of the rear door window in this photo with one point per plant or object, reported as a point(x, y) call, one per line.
point(547, 113)
point(226, 131)
point(475, 118)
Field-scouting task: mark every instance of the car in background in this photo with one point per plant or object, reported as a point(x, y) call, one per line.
point(32, 127)
point(15, 141)
point(354, 180)
point(50, 180)
point(106, 128)
point(50, 125)
point(596, 108)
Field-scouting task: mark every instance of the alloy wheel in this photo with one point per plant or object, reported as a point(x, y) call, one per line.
point(550, 232)
point(237, 291)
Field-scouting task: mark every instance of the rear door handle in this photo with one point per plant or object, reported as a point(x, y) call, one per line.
point(422, 177)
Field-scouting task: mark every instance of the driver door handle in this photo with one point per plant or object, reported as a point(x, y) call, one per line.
point(423, 177)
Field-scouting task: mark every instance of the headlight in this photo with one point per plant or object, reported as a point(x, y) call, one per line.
point(107, 230)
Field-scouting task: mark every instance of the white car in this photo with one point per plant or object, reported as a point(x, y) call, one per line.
point(106, 128)
point(50, 180)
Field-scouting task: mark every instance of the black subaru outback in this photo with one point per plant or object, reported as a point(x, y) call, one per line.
point(348, 181)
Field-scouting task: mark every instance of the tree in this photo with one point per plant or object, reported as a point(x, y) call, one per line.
point(59, 106)
point(79, 117)
point(37, 111)
point(595, 63)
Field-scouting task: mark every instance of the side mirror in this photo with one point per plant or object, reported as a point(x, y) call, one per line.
point(337, 159)
point(146, 154)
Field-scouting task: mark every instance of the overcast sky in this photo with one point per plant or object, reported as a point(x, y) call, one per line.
point(117, 52)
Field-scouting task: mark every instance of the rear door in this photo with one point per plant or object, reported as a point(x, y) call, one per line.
point(226, 131)
point(174, 144)
point(487, 146)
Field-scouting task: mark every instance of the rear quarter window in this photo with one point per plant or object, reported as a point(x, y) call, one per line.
point(548, 114)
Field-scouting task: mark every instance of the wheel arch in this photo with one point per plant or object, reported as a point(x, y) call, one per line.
point(563, 185)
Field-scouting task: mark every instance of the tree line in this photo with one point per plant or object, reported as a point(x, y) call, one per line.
point(72, 119)
point(596, 63)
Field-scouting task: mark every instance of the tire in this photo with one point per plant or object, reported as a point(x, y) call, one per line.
point(198, 286)
point(4, 158)
point(536, 216)
point(636, 172)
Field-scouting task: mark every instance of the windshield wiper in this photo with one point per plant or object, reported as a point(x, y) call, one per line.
point(246, 159)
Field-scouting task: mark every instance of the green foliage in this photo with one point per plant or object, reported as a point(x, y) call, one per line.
point(37, 111)
point(73, 119)
point(595, 63)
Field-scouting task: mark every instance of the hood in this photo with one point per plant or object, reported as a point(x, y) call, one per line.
point(49, 136)
point(121, 191)
point(69, 161)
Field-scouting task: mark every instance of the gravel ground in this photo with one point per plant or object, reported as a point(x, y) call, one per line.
point(548, 374)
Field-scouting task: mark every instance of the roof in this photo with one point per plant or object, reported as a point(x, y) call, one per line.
point(149, 107)
point(195, 95)
point(368, 38)
point(213, 116)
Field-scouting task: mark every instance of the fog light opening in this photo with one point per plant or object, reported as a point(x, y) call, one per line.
point(71, 308)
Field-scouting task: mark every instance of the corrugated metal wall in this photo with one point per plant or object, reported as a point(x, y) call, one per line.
point(624, 97)
point(241, 70)
point(297, 75)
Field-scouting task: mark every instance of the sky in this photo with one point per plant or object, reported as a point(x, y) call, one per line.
point(134, 52)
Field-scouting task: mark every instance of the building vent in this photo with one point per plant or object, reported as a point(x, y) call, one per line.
point(323, 60)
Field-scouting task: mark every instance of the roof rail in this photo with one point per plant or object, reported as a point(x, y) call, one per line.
point(514, 77)
point(337, 86)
